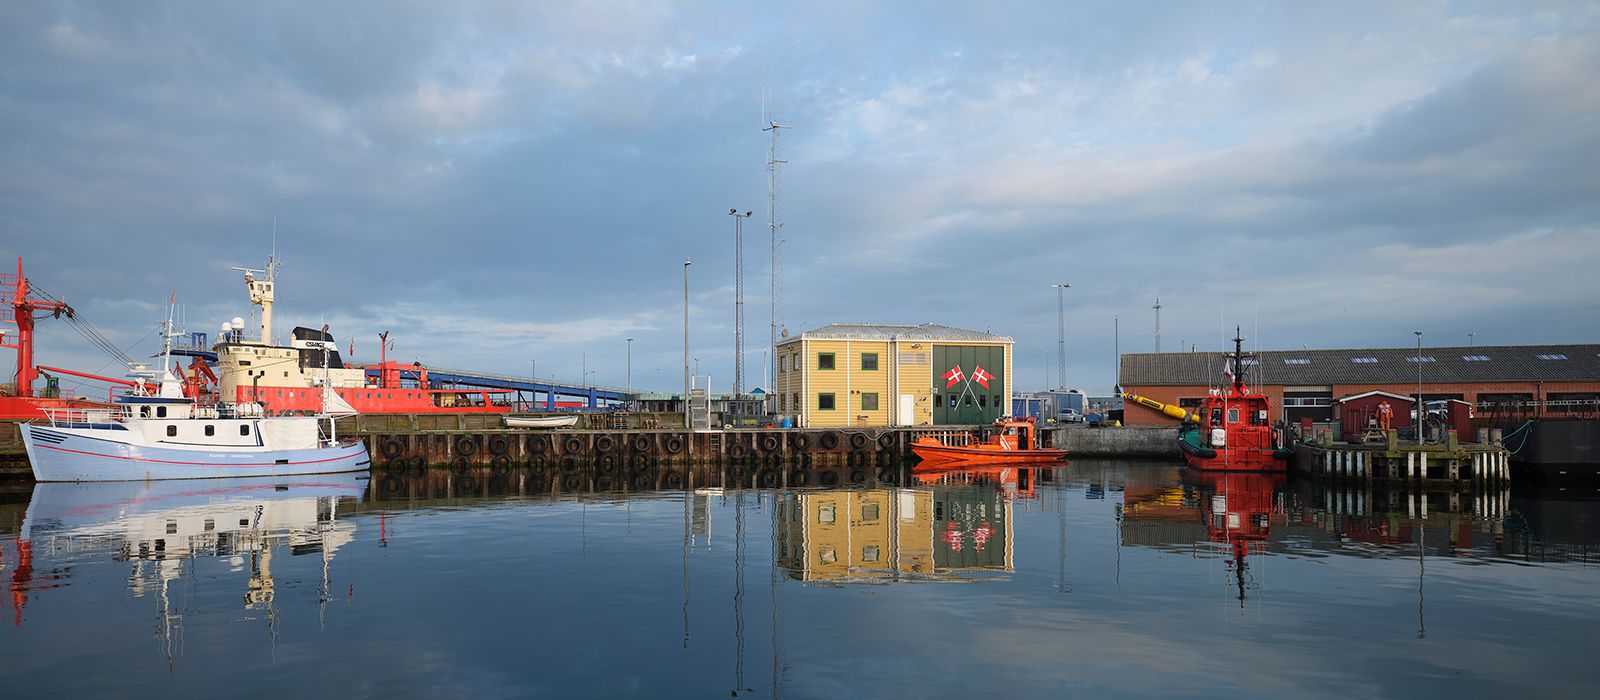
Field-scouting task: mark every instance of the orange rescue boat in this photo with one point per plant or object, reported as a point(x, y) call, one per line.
point(1014, 441)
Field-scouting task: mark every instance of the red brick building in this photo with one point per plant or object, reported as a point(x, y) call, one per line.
point(1306, 383)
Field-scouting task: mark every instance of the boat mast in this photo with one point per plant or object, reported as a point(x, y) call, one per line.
point(1238, 360)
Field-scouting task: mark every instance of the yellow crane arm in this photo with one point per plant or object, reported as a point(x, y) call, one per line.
point(1165, 409)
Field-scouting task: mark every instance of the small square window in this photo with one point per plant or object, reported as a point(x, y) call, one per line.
point(244, 429)
point(824, 360)
point(161, 411)
point(869, 512)
point(211, 430)
point(869, 402)
point(172, 431)
point(825, 515)
point(869, 361)
point(824, 402)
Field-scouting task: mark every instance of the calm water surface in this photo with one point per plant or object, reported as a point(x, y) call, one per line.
point(1092, 579)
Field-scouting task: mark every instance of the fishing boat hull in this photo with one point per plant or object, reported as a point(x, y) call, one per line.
point(69, 454)
point(541, 421)
point(979, 455)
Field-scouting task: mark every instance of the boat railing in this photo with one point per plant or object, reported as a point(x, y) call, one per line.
point(66, 417)
point(953, 439)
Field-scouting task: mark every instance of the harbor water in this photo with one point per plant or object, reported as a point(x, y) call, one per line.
point(1093, 579)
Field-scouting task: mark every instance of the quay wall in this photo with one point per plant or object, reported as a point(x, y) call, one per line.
point(1123, 441)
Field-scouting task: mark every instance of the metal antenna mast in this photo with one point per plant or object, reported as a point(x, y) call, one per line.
point(738, 299)
point(772, 224)
point(1157, 307)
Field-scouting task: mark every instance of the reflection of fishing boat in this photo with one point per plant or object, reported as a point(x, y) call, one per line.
point(1013, 441)
point(541, 421)
point(162, 434)
point(1233, 431)
point(157, 524)
point(1014, 482)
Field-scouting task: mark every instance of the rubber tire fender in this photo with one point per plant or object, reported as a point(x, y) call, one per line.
point(673, 444)
point(770, 442)
point(572, 445)
point(391, 447)
point(466, 446)
point(499, 444)
point(604, 443)
point(886, 440)
point(858, 440)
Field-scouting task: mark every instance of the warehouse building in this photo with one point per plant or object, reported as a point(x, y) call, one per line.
point(1307, 383)
point(858, 375)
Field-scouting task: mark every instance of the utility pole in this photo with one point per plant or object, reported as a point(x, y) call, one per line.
point(1157, 307)
point(772, 225)
point(1061, 337)
point(686, 264)
point(738, 300)
point(1420, 413)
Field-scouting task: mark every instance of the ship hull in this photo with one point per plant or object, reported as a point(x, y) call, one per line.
point(939, 454)
point(1234, 460)
point(67, 454)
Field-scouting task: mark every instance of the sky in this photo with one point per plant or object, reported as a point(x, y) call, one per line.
point(514, 186)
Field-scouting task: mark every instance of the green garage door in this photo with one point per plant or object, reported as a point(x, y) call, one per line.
point(969, 384)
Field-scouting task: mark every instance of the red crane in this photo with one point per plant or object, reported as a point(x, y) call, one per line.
point(22, 309)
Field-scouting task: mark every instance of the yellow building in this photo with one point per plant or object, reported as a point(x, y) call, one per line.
point(853, 375)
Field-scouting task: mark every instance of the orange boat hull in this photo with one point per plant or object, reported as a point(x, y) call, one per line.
point(983, 454)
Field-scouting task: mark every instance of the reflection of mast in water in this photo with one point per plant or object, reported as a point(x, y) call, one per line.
point(1061, 539)
point(1422, 545)
point(169, 625)
point(738, 593)
point(688, 492)
point(772, 582)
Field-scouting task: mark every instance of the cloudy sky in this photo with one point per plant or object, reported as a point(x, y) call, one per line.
point(499, 183)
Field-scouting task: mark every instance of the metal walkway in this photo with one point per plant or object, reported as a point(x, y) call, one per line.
point(529, 389)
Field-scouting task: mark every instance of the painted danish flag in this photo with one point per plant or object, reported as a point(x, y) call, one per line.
point(980, 376)
point(954, 376)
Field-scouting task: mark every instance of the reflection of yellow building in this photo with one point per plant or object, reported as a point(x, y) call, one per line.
point(848, 535)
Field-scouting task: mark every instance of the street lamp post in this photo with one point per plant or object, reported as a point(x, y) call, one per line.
point(686, 264)
point(1061, 337)
point(1420, 413)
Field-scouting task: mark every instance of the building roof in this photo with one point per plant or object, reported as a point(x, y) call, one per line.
point(930, 332)
point(1483, 363)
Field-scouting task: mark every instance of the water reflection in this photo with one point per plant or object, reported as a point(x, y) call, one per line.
point(159, 528)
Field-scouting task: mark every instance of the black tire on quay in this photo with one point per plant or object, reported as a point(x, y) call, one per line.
point(770, 442)
point(539, 443)
point(640, 443)
point(499, 444)
point(391, 447)
point(858, 440)
point(674, 444)
point(828, 441)
point(604, 443)
point(886, 440)
point(572, 445)
point(802, 442)
point(736, 450)
point(465, 445)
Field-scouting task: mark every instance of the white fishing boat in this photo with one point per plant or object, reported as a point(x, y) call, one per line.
point(541, 421)
point(155, 432)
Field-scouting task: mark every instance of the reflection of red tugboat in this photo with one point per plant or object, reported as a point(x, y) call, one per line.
point(1234, 432)
point(1239, 512)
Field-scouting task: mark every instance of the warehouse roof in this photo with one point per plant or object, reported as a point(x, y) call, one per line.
point(931, 332)
point(1483, 363)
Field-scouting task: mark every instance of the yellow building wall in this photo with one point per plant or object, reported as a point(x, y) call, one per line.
point(904, 368)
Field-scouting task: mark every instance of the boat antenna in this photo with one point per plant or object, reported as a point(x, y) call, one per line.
point(1238, 359)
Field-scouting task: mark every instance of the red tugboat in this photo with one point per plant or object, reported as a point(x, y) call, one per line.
point(1014, 441)
point(1234, 432)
